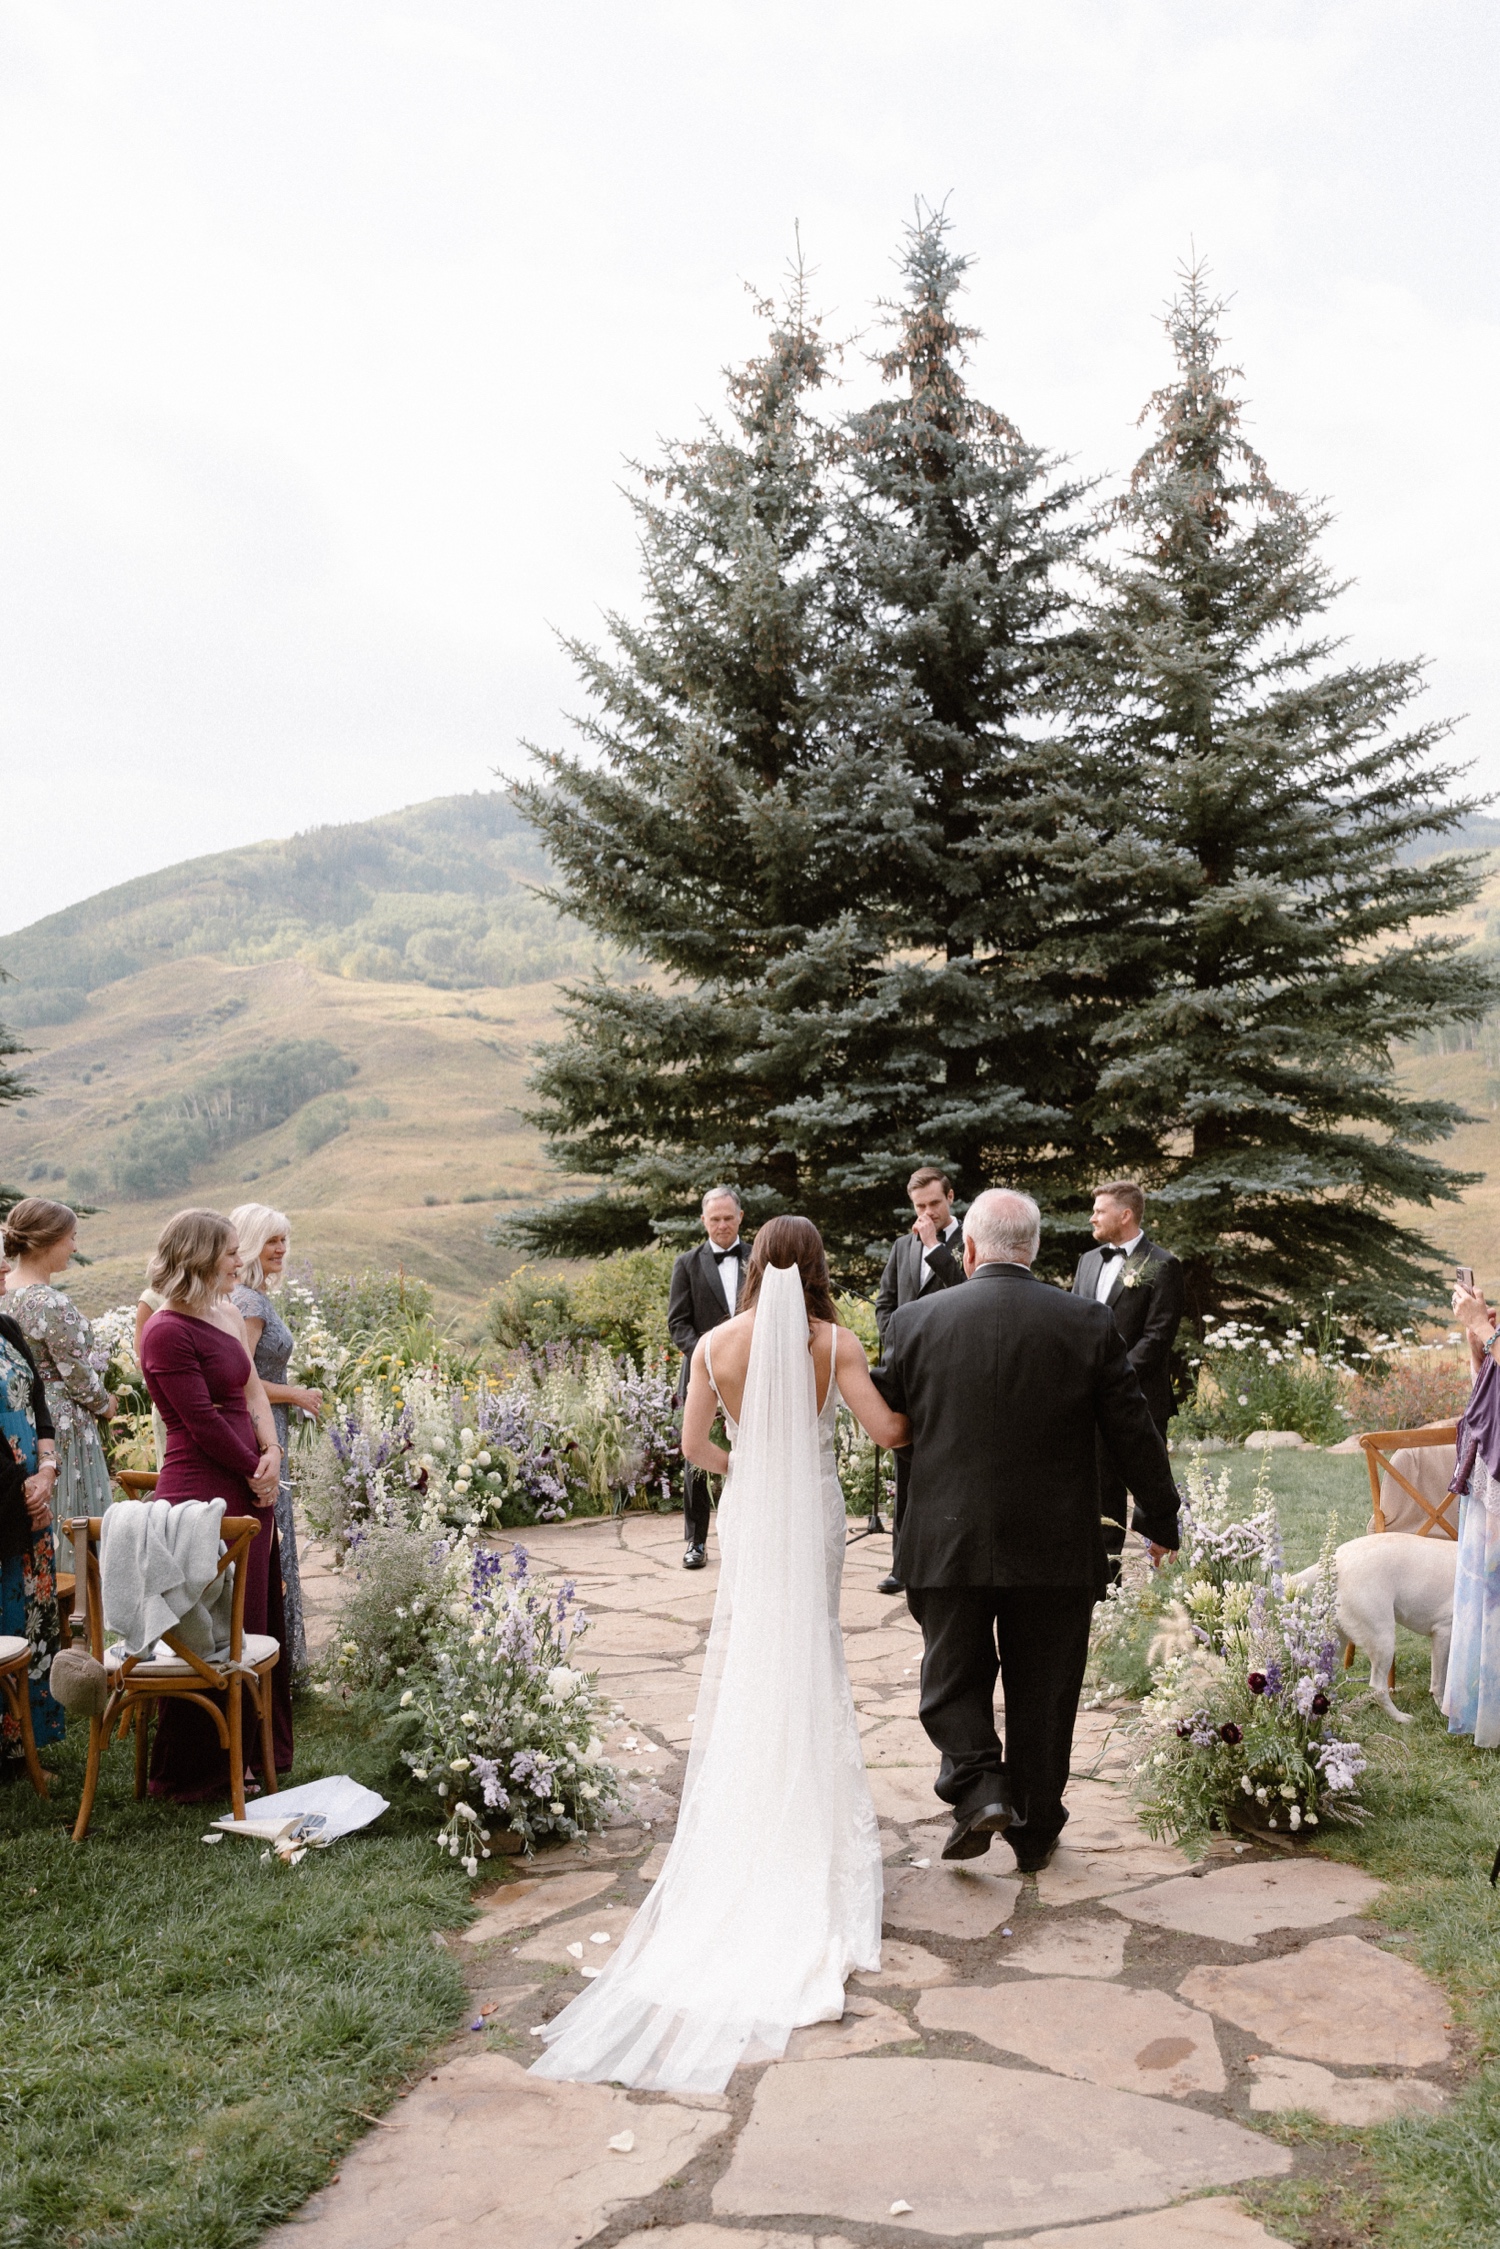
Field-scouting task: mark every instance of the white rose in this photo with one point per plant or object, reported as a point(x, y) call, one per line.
point(458, 1764)
point(406, 1699)
point(484, 1460)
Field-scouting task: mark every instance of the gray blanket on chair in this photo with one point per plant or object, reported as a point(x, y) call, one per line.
point(159, 1572)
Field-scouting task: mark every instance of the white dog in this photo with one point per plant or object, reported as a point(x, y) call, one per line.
point(1393, 1578)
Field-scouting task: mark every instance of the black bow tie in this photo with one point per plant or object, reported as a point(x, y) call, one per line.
point(1107, 1250)
point(719, 1255)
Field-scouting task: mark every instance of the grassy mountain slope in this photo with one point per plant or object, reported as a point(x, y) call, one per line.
point(430, 1116)
point(437, 894)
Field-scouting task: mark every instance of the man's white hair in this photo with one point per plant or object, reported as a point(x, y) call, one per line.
point(1005, 1228)
point(731, 1194)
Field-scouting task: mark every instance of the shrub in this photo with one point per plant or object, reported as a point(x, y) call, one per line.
point(1249, 1379)
point(620, 1302)
point(320, 1122)
point(529, 1310)
point(1402, 1390)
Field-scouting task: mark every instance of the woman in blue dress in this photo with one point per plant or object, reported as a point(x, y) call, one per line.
point(1471, 1700)
point(264, 1239)
point(28, 1576)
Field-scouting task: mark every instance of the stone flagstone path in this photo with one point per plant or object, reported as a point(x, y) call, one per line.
point(1076, 2061)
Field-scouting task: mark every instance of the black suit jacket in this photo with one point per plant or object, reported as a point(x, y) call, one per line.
point(695, 1301)
point(910, 1273)
point(1011, 1386)
point(1147, 1316)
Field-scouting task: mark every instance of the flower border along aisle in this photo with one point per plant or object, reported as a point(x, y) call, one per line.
point(1245, 1725)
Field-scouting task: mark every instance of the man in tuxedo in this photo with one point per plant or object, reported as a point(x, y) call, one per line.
point(1010, 1386)
point(705, 1291)
point(1142, 1285)
point(929, 1257)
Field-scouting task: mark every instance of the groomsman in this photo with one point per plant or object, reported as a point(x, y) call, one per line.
point(927, 1259)
point(705, 1291)
point(1142, 1285)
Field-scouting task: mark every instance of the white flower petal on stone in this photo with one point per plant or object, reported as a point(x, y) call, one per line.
point(623, 2142)
point(599, 1936)
point(589, 1973)
point(901, 2209)
point(537, 2029)
point(576, 1951)
point(921, 1862)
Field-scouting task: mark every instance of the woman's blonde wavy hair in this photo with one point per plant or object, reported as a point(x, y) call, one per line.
point(186, 1257)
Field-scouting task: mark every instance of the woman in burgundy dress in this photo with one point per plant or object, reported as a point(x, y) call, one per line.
point(197, 1374)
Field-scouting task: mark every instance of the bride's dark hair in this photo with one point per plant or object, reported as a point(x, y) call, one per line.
point(792, 1241)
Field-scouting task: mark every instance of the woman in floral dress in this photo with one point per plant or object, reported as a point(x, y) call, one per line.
point(1471, 1699)
point(28, 1577)
point(40, 1239)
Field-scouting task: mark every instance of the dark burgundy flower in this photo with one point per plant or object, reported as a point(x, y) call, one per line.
point(1184, 1729)
point(1319, 1705)
point(1257, 1682)
point(1230, 1733)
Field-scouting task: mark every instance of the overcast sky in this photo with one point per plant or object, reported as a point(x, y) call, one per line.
point(325, 328)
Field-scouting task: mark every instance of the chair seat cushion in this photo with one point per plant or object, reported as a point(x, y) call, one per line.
point(11, 1647)
point(259, 1648)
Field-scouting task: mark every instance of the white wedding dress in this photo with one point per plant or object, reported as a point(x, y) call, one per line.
point(771, 1892)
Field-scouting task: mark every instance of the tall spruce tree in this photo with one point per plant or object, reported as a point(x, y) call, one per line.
point(694, 835)
point(966, 1045)
point(825, 808)
point(1274, 942)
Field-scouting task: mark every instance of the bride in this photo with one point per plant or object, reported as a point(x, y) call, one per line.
point(771, 1892)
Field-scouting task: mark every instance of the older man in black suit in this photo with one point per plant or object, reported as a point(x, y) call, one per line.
point(1010, 1386)
point(705, 1291)
point(1142, 1285)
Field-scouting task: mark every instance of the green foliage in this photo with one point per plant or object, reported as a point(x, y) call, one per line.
point(320, 1122)
point(812, 795)
point(355, 1306)
point(620, 1301)
point(203, 2059)
point(1267, 935)
point(249, 1093)
point(1248, 1379)
point(440, 894)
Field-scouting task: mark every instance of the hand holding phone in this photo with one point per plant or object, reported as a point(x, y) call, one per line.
point(1464, 1274)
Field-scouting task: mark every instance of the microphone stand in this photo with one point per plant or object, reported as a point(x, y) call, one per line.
point(874, 1528)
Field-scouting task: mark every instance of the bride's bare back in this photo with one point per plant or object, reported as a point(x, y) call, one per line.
point(832, 1348)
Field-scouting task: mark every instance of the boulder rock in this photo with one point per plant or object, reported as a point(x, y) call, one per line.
point(1140, 2041)
point(1337, 2000)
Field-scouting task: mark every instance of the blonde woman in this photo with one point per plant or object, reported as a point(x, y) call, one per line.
point(41, 1238)
point(200, 1378)
point(264, 1239)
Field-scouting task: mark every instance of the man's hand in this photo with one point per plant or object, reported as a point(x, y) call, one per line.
point(1158, 1554)
point(925, 1231)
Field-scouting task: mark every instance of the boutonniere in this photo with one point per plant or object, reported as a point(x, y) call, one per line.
point(1136, 1272)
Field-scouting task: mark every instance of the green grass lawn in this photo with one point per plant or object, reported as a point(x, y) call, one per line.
point(1428, 2182)
point(189, 2035)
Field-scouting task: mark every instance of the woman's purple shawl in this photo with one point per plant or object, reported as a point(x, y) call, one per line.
point(1479, 1429)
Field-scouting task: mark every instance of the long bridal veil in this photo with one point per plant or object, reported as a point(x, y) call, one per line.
point(770, 1893)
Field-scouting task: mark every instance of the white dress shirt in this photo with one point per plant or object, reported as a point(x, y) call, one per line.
point(1109, 1271)
point(729, 1273)
point(944, 1239)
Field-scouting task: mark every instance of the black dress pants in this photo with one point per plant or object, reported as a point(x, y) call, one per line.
point(695, 1505)
point(1035, 1639)
point(1114, 1505)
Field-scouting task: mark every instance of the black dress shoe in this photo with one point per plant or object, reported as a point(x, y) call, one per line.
point(694, 1558)
point(890, 1584)
point(971, 1833)
point(1032, 1862)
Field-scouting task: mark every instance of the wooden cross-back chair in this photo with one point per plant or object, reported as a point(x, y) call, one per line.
point(136, 1685)
point(1380, 1448)
point(15, 1686)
